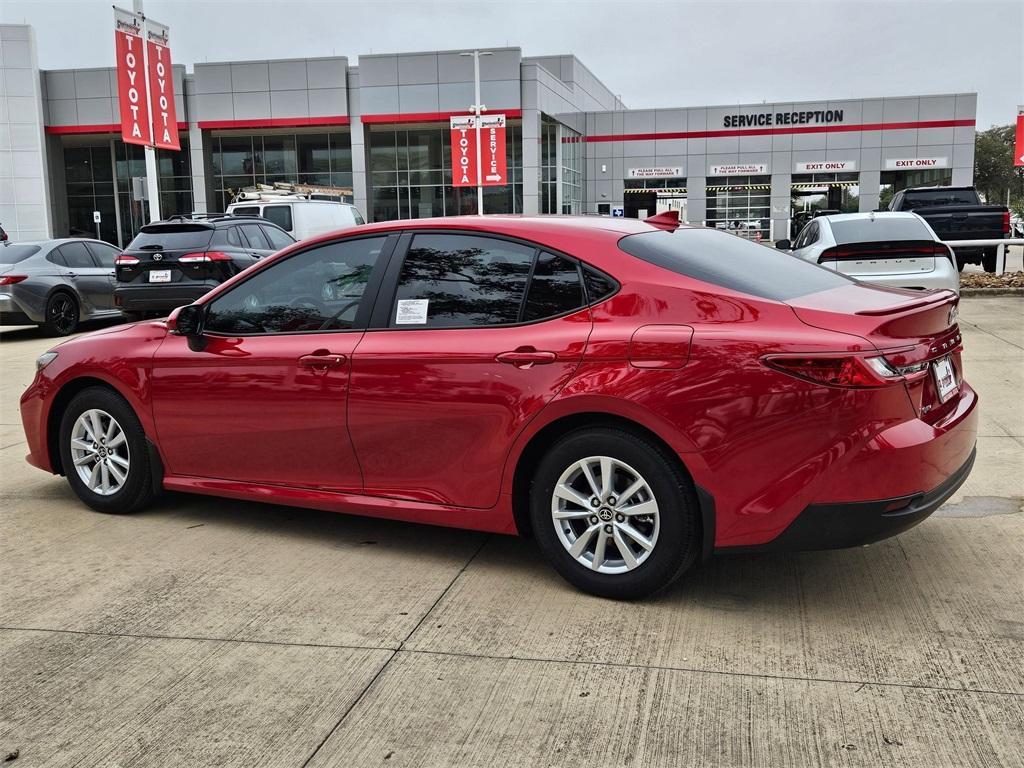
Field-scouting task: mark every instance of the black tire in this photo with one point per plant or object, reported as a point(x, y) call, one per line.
point(988, 259)
point(137, 490)
point(61, 315)
point(960, 263)
point(678, 543)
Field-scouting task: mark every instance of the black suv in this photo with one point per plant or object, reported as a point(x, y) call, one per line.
point(172, 263)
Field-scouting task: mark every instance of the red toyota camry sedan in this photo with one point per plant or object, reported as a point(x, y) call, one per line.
point(633, 395)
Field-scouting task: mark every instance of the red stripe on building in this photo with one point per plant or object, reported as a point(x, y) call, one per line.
point(430, 117)
point(99, 128)
point(274, 122)
point(782, 131)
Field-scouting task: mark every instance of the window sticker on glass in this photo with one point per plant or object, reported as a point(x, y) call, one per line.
point(412, 312)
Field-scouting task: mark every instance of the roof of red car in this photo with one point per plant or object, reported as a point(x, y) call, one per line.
point(520, 225)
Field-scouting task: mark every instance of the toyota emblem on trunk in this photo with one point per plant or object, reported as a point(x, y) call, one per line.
point(160, 257)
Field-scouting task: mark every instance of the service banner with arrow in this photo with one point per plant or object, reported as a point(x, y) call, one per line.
point(465, 172)
point(492, 138)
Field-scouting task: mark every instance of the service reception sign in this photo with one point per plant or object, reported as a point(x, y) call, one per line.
point(915, 163)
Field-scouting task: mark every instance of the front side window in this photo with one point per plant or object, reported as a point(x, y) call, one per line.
point(317, 290)
point(104, 253)
point(461, 280)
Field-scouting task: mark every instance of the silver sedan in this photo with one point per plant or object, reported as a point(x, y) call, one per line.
point(56, 284)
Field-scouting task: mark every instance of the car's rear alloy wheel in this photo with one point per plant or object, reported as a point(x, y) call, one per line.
point(103, 452)
point(100, 453)
point(61, 315)
point(615, 513)
point(605, 514)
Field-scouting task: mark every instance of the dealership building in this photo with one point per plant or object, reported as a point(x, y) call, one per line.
point(375, 130)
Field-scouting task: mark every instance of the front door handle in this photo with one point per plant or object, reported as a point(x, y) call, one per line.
point(322, 360)
point(526, 357)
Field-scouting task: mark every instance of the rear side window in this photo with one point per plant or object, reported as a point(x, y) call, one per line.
point(12, 254)
point(732, 262)
point(227, 236)
point(599, 285)
point(555, 287)
point(77, 256)
point(880, 228)
point(173, 237)
point(280, 215)
point(358, 216)
point(461, 280)
point(249, 210)
point(254, 234)
point(277, 238)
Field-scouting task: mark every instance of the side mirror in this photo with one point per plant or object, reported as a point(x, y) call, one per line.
point(187, 321)
point(784, 245)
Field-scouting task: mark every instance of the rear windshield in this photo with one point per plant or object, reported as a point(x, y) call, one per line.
point(12, 254)
point(921, 198)
point(172, 237)
point(732, 262)
point(879, 228)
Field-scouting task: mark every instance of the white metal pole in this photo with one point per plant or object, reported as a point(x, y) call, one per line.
point(152, 179)
point(479, 154)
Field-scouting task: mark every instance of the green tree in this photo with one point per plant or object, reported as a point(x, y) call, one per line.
point(994, 173)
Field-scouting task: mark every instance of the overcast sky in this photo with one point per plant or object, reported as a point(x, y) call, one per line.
point(651, 53)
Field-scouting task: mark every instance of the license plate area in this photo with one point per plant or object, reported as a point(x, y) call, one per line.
point(160, 276)
point(945, 379)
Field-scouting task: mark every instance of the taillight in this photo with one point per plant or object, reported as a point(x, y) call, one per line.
point(848, 371)
point(12, 279)
point(124, 260)
point(883, 251)
point(1006, 223)
point(194, 258)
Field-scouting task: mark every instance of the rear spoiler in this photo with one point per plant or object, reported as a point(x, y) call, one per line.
point(942, 296)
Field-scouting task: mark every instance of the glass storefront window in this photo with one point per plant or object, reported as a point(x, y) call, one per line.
point(810, 192)
point(89, 171)
point(316, 159)
point(410, 174)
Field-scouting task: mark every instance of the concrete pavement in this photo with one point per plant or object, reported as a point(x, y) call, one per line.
point(213, 632)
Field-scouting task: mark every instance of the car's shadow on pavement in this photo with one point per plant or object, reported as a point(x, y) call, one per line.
point(735, 582)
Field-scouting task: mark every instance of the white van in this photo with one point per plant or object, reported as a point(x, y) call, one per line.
point(299, 217)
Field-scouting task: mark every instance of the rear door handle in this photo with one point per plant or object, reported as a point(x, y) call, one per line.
point(526, 358)
point(324, 360)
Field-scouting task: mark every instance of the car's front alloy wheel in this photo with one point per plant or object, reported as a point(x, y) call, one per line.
point(614, 512)
point(103, 452)
point(99, 451)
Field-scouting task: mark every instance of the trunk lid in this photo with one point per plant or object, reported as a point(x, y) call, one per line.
point(910, 328)
point(861, 260)
point(154, 256)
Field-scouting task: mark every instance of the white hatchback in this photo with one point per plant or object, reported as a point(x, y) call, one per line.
point(889, 248)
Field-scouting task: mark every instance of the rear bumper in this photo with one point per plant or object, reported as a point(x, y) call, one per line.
point(853, 524)
point(163, 297)
point(14, 312)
